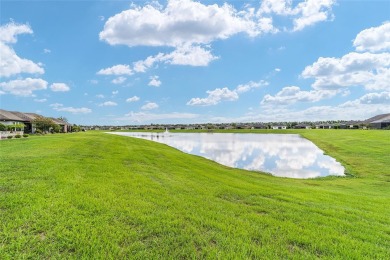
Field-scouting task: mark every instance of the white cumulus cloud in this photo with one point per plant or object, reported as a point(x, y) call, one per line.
point(119, 80)
point(312, 12)
point(10, 63)
point(59, 87)
point(108, 104)
point(183, 22)
point(349, 63)
point(23, 87)
point(369, 69)
point(250, 85)
point(61, 108)
point(190, 26)
point(214, 97)
point(121, 69)
point(303, 14)
point(188, 55)
point(180, 22)
point(292, 94)
point(353, 69)
point(154, 81)
point(149, 106)
point(8, 32)
point(224, 94)
point(133, 99)
point(40, 100)
point(370, 98)
point(373, 39)
point(143, 65)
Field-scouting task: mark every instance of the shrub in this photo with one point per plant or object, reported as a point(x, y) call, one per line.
point(9, 137)
point(44, 123)
point(18, 136)
point(25, 135)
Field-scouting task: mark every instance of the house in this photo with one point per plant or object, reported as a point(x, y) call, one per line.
point(379, 121)
point(8, 118)
point(65, 126)
point(353, 124)
point(180, 127)
point(259, 126)
point(324, 126)
point(279, 127)
point(243, 126)
point(15, 117)
point(302, 126)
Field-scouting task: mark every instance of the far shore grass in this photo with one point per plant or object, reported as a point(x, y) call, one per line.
point(91, 195)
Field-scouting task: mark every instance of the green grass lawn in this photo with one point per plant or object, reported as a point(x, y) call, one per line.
point(94, 195)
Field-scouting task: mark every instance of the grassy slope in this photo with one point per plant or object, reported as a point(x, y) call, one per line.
point(93, 195)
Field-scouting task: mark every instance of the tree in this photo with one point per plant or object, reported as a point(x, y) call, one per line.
point(76, 128)
point(15, 127)
point(56, 128)
point(44, 124)
point(3, 127)
point(62, 118)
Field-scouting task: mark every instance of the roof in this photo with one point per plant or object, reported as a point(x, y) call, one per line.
point(382, 120)
point(325, 124)
point(9, 115)
point(59, 121)
point(353, 122)
point(24, 117)
point(379, 118)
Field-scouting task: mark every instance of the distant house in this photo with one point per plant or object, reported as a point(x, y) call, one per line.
point(302, 126)
point(180, 127)
point(324, 126)
point(65, 126)
point(279, 127)
point(379, 121)
point(259, 126)
point(352, 124)
point(15, 117)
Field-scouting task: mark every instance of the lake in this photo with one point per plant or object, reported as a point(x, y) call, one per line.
point(282, 155)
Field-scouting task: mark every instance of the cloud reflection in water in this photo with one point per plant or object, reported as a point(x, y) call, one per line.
point(279, 154)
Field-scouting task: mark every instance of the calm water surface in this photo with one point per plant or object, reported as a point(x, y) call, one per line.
point(283, 155)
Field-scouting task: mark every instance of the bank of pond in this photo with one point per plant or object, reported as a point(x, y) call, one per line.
point(282, 155)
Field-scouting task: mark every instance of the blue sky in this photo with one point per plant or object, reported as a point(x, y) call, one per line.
point(141, 62)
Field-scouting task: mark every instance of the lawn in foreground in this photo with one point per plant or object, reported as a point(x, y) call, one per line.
point(93, 195)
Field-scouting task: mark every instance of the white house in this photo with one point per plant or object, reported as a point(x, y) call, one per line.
point(279, 127)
